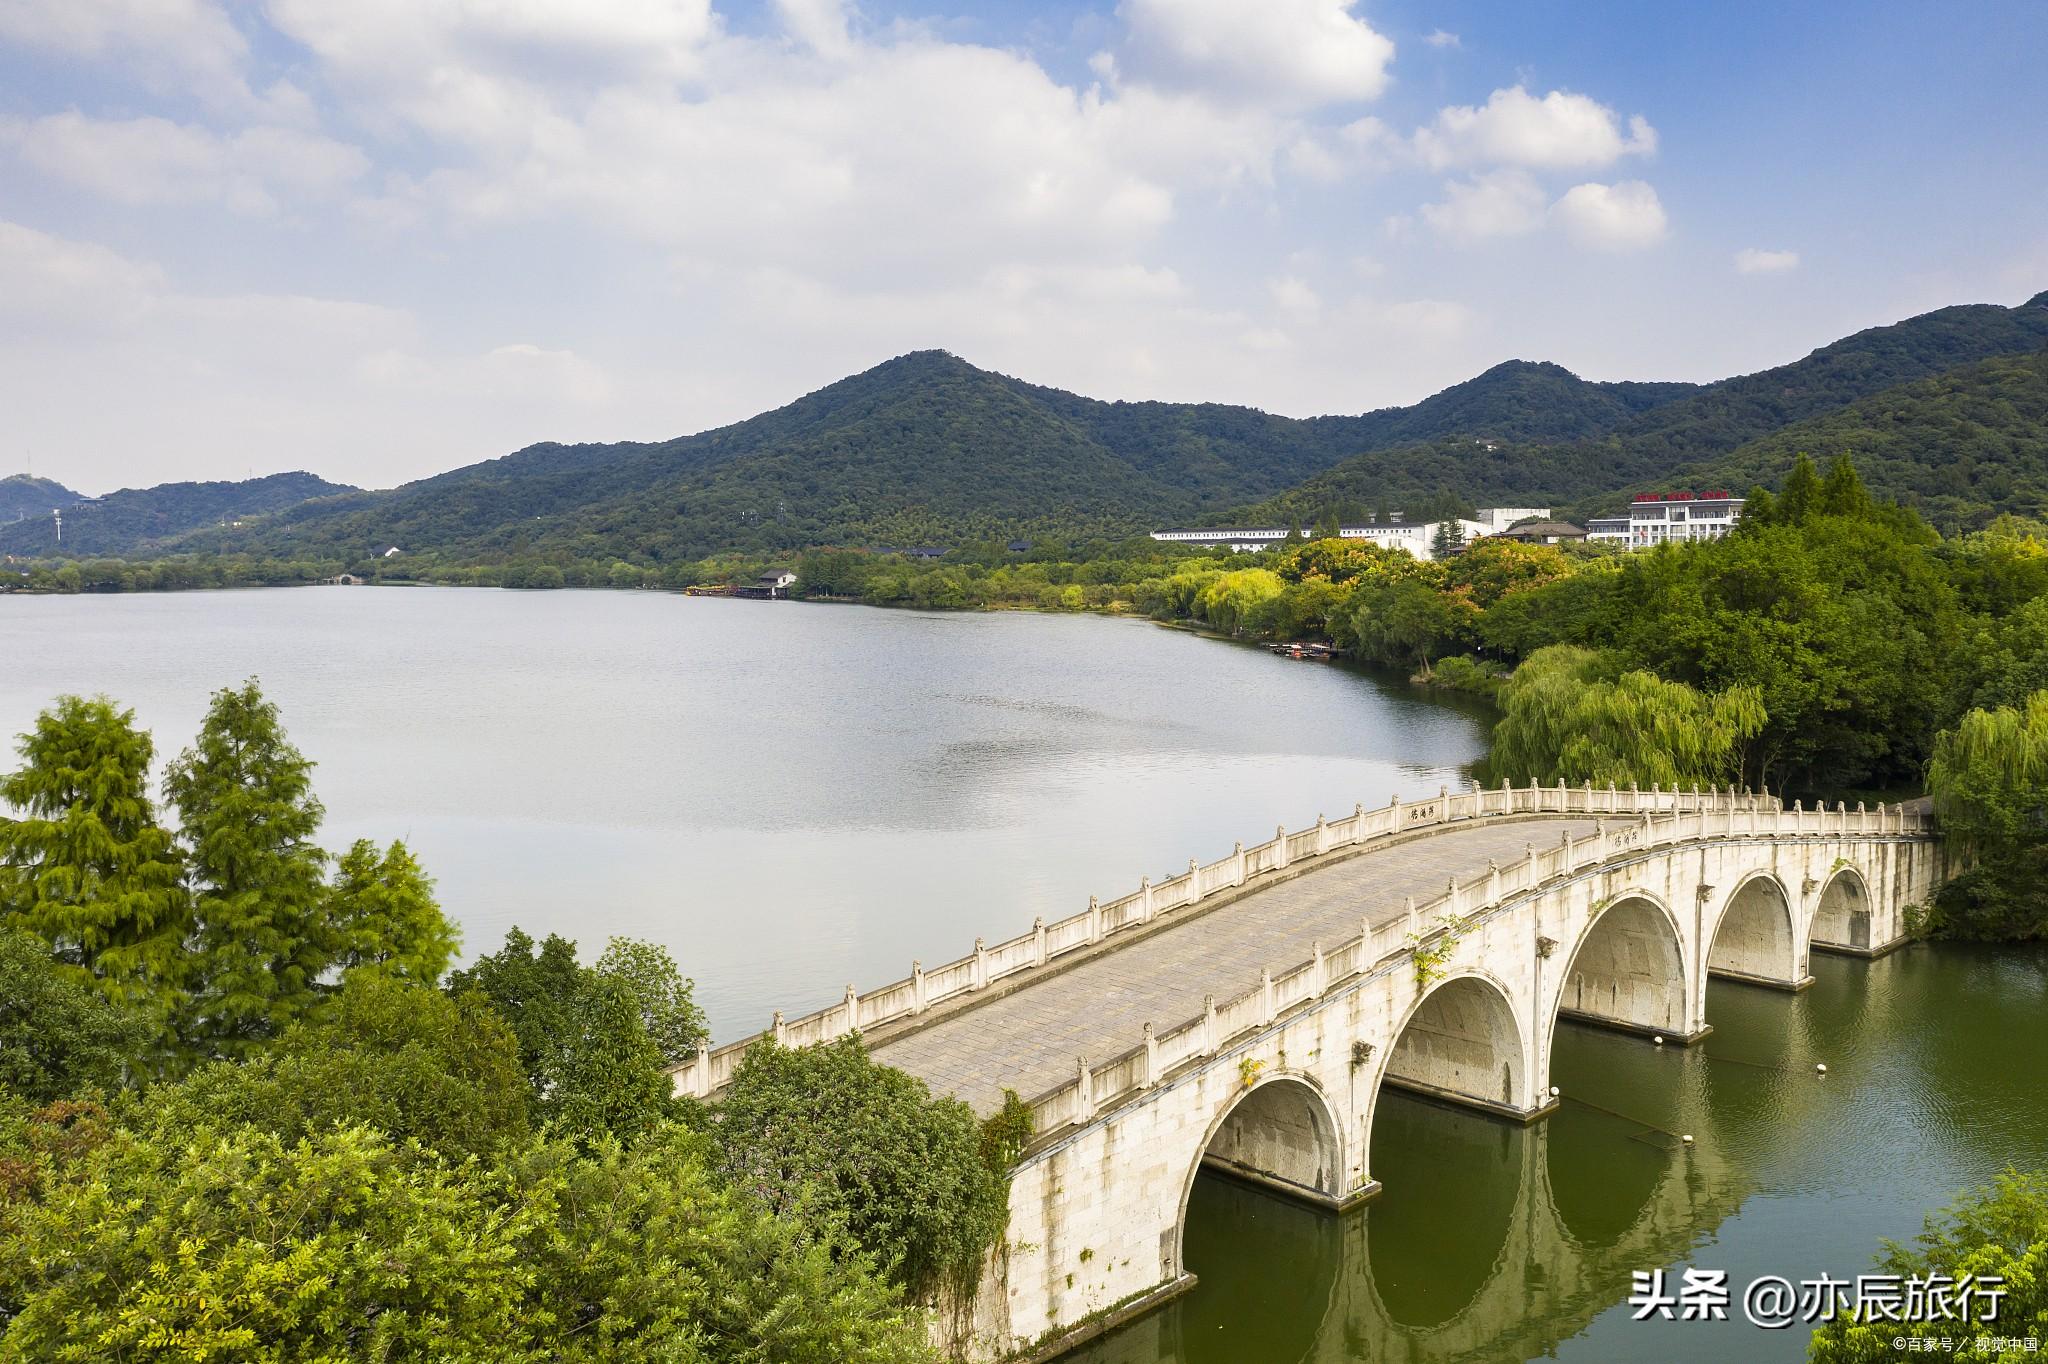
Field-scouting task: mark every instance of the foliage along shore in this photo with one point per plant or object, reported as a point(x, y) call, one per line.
point(248, 1113)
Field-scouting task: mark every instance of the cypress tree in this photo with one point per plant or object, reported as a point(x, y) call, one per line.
point(87, 867)
point(249, 816)
point(1800, 499)
point(381, 912)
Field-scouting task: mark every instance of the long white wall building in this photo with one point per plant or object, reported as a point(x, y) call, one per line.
point(1417, 538)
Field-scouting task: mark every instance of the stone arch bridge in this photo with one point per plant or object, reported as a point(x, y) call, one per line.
point(1246, 1015)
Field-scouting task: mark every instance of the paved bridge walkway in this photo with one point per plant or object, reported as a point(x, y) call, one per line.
point(1028, 1038)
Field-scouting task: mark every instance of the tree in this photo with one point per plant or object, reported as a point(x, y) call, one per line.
point(1230, 600)
point(1568, 717)
point(1989, 778)
point(245, 795)
point(384, 1053)
point(827, 1135)
point(668, 1008)
point(1999, 1232)
point(589, 1061)
point(381, 911)
point(1843, 493)
point(58, 1034)
point(1327, 526)
point(1407, 622)
point(1449, 539)
point(1801, 497)
point(87, 867)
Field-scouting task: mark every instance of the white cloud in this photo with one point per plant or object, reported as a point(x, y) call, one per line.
point(155, 161)
point(1559, 131)
point(1503, 203)
point(1620, 217)
point(1288, 53)
point(1439, 38)
point(174, 44)
point(1293, 296)
point(1756, 261)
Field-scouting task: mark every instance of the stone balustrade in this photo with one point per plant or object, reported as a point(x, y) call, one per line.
point(1736, 813)
point(1393, 944)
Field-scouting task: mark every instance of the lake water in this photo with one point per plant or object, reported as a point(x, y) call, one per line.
point(790, 797)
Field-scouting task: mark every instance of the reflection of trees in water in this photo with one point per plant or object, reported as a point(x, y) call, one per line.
point(1451, 1178)
point(1494, 1242)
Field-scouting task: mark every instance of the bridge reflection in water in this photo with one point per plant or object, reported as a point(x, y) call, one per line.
point(1496, 1241)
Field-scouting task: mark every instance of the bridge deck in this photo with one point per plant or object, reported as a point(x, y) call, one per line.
point(1027, 1040)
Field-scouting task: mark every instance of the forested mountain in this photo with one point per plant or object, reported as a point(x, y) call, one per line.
point(23, 495)
point(1688, 442)
point(927, 449)
point(1958, 448)
point(141, 520)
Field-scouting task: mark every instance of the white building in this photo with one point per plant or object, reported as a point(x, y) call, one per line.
point(1418, 538)
point(1661, 518)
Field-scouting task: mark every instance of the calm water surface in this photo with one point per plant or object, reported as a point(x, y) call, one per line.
point(790, 797)
point(1498, 1243)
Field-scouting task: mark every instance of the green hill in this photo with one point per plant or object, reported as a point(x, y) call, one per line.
point(928, 449)
point(924, 449)
point(22, 496)
point(138, 521)
point(1679, 443)
point(1959, 448)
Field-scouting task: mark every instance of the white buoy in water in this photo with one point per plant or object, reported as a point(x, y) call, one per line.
point(1821, 1069)
point(1658, 1039)
point(1553, 1091)
point(1687, 1139)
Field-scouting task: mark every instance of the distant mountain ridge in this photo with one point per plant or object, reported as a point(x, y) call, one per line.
point(1693, 440)
point(24, 495)
point(140, 521)
point(928, 449)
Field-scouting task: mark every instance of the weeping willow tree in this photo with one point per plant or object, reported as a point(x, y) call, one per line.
point(1570, 716)
point(1989, 778)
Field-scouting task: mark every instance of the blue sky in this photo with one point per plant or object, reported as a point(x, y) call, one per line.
point(383, 238)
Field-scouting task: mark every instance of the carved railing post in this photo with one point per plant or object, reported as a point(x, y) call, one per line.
point(1038, 940)
point(1237, 863)
point(1492, 882)
point(852, 1004)
point(980, 965)
point(918, 1002)
point(1085, 1083)
point(1280, 848)
point(1095, 917)
point(775, 1029)
point(700, 1074)
point(1209, 1038)
point(1599, 840)
point(1145, 894)
point(1318, 975)
point(1194, 880)
point(1358, 821)
point(1413, 928)
point(1265, 995)
point(1151, 1075)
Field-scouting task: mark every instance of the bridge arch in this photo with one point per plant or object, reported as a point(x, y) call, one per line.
point(1461, 1041)
point(1841, 916)
point(1281, 1133)
point(1756, 936)
point(1628, 970)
